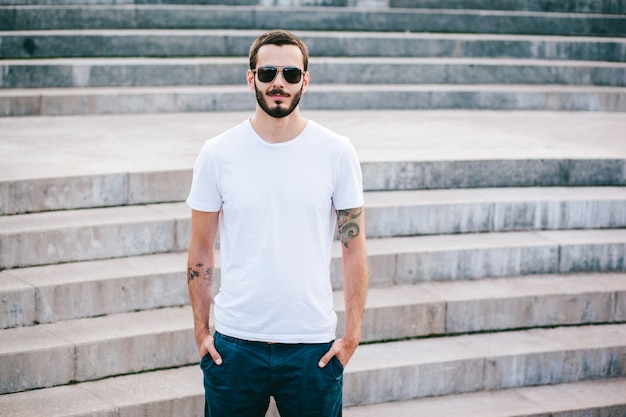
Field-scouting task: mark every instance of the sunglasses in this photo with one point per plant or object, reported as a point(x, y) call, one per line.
point(266, 74)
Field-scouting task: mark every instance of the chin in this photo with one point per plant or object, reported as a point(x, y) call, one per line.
point(277, 108)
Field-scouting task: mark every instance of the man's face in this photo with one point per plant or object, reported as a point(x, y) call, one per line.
point(278, 97)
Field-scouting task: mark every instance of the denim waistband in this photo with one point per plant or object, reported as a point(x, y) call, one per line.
point(235, 340)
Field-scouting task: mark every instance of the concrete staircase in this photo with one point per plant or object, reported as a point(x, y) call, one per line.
point(497, 240)
point(498, 282)
point(124, 56)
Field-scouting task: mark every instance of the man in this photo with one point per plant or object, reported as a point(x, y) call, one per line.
point(275, 186)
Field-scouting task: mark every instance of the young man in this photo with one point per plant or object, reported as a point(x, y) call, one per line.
point(276, 186)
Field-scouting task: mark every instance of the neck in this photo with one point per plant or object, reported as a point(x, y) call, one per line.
point(273, 130)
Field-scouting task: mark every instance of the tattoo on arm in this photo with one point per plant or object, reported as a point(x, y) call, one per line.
point(192, 273)
point(195, 273)
point(348, 224)
point(208, 276)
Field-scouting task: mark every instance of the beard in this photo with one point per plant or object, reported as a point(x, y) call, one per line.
point(277, 111)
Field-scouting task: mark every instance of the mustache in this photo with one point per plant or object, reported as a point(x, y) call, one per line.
point(278, 91)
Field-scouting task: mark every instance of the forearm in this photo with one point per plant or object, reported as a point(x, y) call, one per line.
point(355, 280)
point(201, 269)
point(351, 225)
point(200, 273)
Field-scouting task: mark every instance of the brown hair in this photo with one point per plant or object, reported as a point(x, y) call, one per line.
point(278, 37)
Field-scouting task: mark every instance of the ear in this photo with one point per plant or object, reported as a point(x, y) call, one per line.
point(250, 79)
point(305, 81)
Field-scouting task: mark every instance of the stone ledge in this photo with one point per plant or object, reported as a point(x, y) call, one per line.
point(179, 392)
point(136, 100)
point(408, 260)
point(322, 19)
point(432, 367)
point(143, 72)
point(235, 43)
point(93, 288)
point(57, 237)
point(581, 6)
point(399, 260)
point(94, 348)
point(445, 308)
point(604, 397)
point(162, 186)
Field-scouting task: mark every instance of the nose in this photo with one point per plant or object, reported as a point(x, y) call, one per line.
point(279, 80)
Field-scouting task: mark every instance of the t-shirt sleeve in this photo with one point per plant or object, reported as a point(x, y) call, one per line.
point(204, 194)
point(348, 192)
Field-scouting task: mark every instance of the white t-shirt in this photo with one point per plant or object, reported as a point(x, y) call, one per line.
point(277, 226)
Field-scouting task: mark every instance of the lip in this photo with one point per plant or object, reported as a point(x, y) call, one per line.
point(277, 94)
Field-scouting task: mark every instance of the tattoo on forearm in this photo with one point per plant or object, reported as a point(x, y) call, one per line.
point(207, 275)
point(347, 222)
point(192, 273)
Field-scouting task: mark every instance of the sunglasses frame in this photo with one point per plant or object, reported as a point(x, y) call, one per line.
point(277, 70)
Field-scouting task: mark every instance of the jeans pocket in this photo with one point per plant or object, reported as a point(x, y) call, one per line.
point(337, 367)
point(206, 362)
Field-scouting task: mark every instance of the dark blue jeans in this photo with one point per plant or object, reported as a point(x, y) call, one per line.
point(251, 372)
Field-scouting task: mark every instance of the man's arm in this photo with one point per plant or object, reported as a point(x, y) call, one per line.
point(200, 273)
point(351, 225)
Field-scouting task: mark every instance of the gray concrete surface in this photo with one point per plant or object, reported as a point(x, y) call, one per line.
point(199, 42)
point(141, 72)
point(580, 6)
point(329, 97)
point(569, 400)
point(101, 161)
point(97, 233)
point(152, 145)
point(43, 147)
point(347, 19)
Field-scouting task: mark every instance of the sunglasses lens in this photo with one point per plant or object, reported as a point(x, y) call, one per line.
point(267, 74)
point(292, 75)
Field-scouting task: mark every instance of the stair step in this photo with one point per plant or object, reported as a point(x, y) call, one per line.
point(179, 392)
point(105, 190)
point(93, 234)
point(307, 18)
point(68, 236)
point(478, 97)
point(228, 43)
point(406, 213)
point(69, 291)
point(88, 191)
point(429, 367)
point(444, 308)
point(144, 72)
point(407, 260)
point(94, 348)
point(600, 397)
point(383, 372)
point(165, 393)
point(116, 100)
point(488, 171)
point(580, 6)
